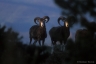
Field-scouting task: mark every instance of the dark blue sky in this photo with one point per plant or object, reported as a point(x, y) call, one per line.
point(19, 14)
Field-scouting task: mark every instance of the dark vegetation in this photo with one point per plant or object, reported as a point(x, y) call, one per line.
point(13, 51)
point(83, 50)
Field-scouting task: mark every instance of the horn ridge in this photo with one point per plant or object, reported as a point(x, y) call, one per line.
point(61, 18)
point(46, 17)
point(36, 19)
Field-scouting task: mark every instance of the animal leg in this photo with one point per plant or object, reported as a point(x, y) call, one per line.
point(52, 50)
point(61, 46)
point(65, 43)
point(54, 42)
point(30, 40)
point(64, 46)
point(43, 41)
point(35, 42)
point(51, 41)
point(53, 45)
point(39, 42)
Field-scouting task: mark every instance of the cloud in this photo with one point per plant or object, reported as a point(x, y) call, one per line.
point(13, 12)
point(48, 3)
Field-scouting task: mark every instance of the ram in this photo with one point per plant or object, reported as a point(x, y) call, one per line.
point(38, 32)
point(60, 33)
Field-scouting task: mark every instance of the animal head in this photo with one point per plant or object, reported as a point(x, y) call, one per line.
point(41, 20)
point(66, 24)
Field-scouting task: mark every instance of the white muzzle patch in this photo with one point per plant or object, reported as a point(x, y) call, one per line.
point(42, 24)
point(66, 24)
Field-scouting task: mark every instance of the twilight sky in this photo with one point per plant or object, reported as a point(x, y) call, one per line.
point(19, 14)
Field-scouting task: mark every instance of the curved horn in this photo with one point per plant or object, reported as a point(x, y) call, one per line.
point(37, 18)
point(46, 17)
point(61, 18)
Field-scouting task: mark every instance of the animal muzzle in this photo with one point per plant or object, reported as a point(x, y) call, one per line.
point(66, 24)
point(42, 25)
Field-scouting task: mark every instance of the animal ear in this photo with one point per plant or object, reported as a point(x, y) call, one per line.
point(46, 17)
point(61, 18)
point(36, 19)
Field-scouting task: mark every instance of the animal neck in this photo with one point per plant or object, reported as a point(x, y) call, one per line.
point(66, 28)
point(43, 28)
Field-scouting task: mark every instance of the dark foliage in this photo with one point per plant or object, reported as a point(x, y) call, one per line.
point(77, 7)
point(13, 51)
point(75, 52)
point(89, 25)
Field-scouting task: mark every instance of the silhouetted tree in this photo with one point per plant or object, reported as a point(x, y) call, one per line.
point(37, 54)
point(14, 51)
point(77, 7)
point(8, 48)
